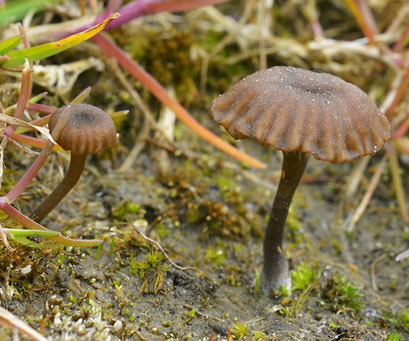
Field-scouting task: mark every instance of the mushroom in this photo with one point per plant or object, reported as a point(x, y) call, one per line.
point(87, 131)
point(299, 112)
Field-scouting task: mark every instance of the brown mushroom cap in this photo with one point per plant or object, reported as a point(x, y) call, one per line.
point(292, 109)
point(88, 129)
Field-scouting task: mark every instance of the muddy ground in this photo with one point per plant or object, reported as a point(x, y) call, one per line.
point(207, 212)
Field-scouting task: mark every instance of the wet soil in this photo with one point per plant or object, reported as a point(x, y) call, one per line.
point(208, 216)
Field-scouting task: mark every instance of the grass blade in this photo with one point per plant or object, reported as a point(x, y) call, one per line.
point(9, 44)
point(46, 50)
point(16, 10)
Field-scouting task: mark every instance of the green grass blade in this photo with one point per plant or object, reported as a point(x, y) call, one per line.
point(27, 242)
point(46, 50)
point(16, 10)
point(9, 44)
point(31, 233)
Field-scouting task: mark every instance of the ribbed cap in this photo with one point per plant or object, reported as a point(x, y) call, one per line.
point(88, 129)
point(292, 109)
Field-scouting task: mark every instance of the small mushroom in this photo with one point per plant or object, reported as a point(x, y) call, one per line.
point(299, 112)
point(88, 130)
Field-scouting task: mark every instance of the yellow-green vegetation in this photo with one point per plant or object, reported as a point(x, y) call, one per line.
point(343, 295)
point(404, 318)
point(218, 219)
point(151, 270)
point(8, 181)
point(258, 336)
point(394, 336)
point(303, 277)
point(215, 255)
point(240, 330)
point(126, 210)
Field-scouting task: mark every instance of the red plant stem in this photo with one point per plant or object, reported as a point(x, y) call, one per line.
point(41, 108)
point(316, 29)
point(31, 141)
point(138, 8)
point(367, 22)
point(401, 130)
point(399, 44)
point(23, 35)
point(20, 217)
point(112, 50)
point(112, 6)
point(401, 90)
point(22, 184)
point(24, 92)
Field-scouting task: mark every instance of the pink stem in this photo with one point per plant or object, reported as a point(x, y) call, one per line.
point(31, 141)
point(138, 8)
point(24, 92)
point(41, 108)
point(316, 29)
point(22, 184)
point(112, 50)
point(401, 90)
point(401, 130)
point(367, 20)
point(399, 44)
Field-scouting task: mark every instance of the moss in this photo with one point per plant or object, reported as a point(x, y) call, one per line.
point(303, 277)
point(240, 330)
point(394, 336)
point(343, 294)
point(126, 210)
point(404, 318)
point(215, 255)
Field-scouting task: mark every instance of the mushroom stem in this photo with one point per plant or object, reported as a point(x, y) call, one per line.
point(275, 266)
point(71, 178)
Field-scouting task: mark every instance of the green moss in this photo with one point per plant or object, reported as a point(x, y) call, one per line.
point(394, 336)
point(240, 330)
point(154, 259)
point(404, 318)
point(343, 294)
point(215, 255)
point(303, 277)
point(258, 336)
point(126, 210)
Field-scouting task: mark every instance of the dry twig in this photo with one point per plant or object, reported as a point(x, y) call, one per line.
point(373, 270)
point(150, 240)
point(368, 195)
point(10, 320)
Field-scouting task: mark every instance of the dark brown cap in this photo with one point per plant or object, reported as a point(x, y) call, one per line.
point(88, 129)
point(292, 109)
